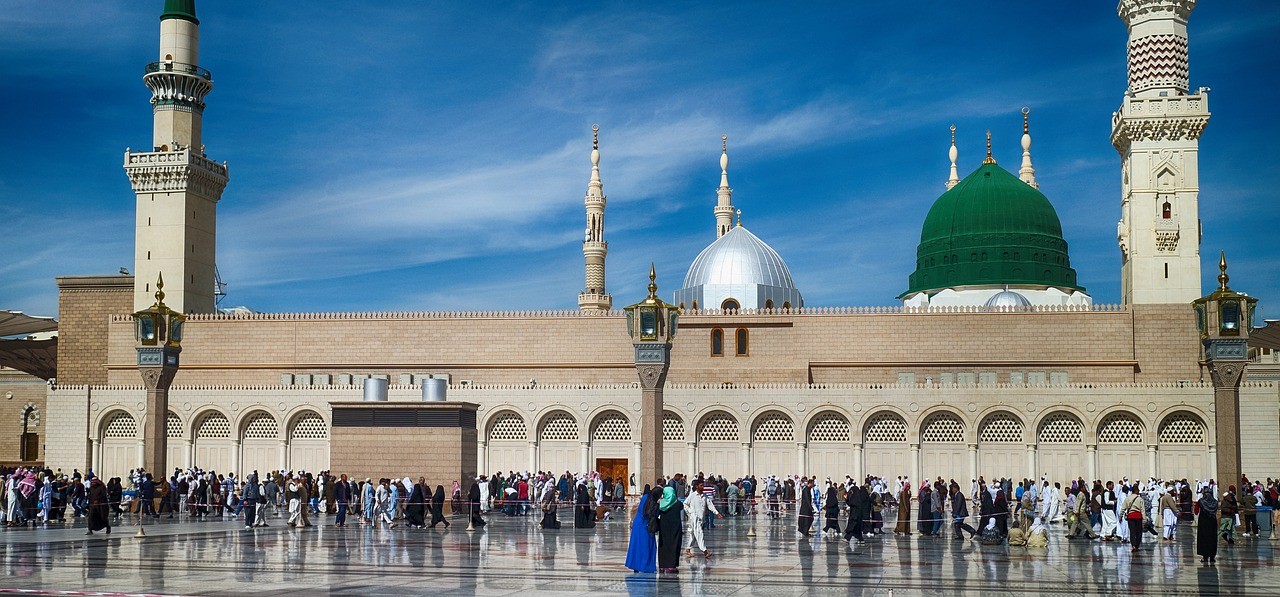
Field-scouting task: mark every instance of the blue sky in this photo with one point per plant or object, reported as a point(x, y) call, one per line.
point(411, 156)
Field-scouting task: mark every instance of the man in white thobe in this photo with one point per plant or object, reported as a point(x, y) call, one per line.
point(696, 507)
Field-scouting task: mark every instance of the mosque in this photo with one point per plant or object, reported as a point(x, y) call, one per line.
point(996, 363)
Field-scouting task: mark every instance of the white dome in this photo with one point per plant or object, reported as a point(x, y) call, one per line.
point(739, 258)
point(1008, 298)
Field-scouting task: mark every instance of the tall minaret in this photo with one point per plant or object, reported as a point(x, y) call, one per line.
point(1157, 131)
point(177, 187)
point(1027, 172)
point(724, 194)
point(594, 248)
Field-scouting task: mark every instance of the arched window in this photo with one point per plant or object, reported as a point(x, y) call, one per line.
point(717, 342)
point(1167, 210)
point(768, 303)
point(730, 305)
point(740, 342)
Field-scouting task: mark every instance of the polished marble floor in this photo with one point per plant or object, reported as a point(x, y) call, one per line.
point(512, 556)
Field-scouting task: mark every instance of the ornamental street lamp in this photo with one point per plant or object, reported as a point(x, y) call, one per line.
point(1225, 319)
point(157, 332)
point(651, 323)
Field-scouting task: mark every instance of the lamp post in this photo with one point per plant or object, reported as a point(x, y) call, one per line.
point(651, 323)
point(158, 336)
point(1225, 318)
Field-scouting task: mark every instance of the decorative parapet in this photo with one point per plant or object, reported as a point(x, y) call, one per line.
point(1175, 118)
point(616, 313)
point(178, 86)
point(171, 171)
point(727, 387)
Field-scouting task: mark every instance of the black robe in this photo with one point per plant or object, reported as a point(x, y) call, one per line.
point(806, 510)
point(1207, 532)
point(415, 508)
point(549, 507)
point(473, 496)
point(832, 510)
point(99, 512)
point(584, 516)
point(669, 525)
point(437, 507)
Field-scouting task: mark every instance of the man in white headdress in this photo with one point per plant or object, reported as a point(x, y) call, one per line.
point(292, 491)
point(484, 493)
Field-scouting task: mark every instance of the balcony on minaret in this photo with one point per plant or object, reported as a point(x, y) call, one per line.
point(152, 171)
point(178, 84)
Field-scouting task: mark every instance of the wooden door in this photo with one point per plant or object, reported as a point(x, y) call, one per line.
point(615, 468)
point(30, 446)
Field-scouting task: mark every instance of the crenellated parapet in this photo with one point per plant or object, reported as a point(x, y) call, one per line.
point(173, 171)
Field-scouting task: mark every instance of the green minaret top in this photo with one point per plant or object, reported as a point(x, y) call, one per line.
point(180, 9)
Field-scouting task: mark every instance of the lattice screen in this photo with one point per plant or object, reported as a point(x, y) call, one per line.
point(612, 427)
point(672, 427)
point(121, 425)
point(262, 426)
point(719, 427)
point(829, 427)
point(1120, 428)
point(172, 426)
point(943, 427)
point(774, 427)
point(508, 426)
point(310, 426)
point(1182, 428)
point(214, 426)
point(1001, 428)
point(560, 426)
point(886, 427)
point(1061, 428)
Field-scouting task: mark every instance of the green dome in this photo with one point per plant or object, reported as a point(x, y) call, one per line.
point(991, 229)
point(180, 9)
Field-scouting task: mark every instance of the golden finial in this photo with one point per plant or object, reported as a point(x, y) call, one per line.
point(653, 284)
point(953, 134)
point(1222, 267)
point(595, 136)
point(989, 160)
point(724, 143)
point(739, 217)
point(1025, 112)
point(160, 288)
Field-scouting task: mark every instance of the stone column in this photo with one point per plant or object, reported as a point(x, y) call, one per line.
point(1031, 462)
point(585, 451)
point(915, 462)
point(141, 460)
point(1226, 400)
point(155, 436)
point(692, 458)
point(747, 458)
point(1151, 462)
point(973, 461)
point(1213, 462)
point(1091, 451)
point(653, 376)
point(284, 455)
point(237, 458)
point(636, 455)
point(96, 455)
point(857, 461)
point(533, 455)
point(802, 458)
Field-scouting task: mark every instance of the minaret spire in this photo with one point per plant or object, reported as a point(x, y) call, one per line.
point(724, 195)
point(953, 154)
point(594, 247)
point(1027, 173)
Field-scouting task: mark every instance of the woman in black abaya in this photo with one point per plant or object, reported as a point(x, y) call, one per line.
point(437, 508)
point(669, 525)
point(1207, 528)
point(584, 516)
point(415, 508)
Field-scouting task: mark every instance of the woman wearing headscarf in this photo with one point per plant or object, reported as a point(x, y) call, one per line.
point(925, 525)
point(642, 551)
point(1000, 512)
point(415, 511)
point(904, 511)
point(99, 511)
point(831, 507)
point(437, 508)
point(1207, 528)
point(669, 524)
point(547, 500)
point(584, 515)
point(473, 497)
point(1038, 535)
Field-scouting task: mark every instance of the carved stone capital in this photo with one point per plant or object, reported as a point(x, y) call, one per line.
point(157, 377)
point(1226, 374)
point(652, 377)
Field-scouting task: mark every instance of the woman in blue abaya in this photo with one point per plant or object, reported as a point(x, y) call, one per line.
point(642, 551)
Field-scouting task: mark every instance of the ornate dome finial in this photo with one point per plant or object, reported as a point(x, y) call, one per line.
point(653, 283)
point(160, 288)
point(989, 160)
point(1222, 267)
point(739, 217)
point(595, 136)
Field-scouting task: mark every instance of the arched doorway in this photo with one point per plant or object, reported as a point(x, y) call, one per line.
point(309, 443)
point(611, 446)
point(508, 444)
point(260, 444)
point(943, 452)
point(1121, 450)
point(213, 443)
point(1002, 447)
point(29, 441)
point(719, 450)
point(1060, 445)
point(773, 445)
point(558, 449)
point(829, 446)
point(885, 450)
point(119, 447)
point(1183, 449)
